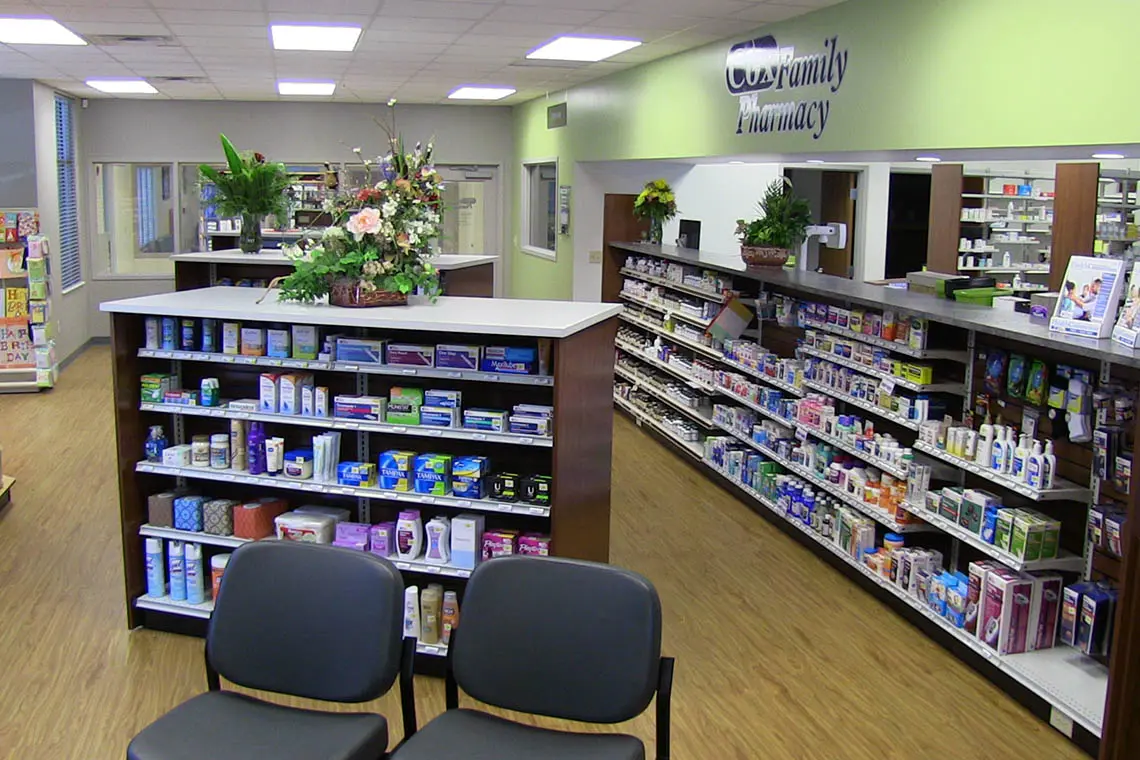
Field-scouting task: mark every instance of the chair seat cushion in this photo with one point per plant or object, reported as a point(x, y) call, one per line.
point(473, 735)
point(225, 725)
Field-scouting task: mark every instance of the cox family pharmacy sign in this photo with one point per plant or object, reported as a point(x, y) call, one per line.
point(758, 68)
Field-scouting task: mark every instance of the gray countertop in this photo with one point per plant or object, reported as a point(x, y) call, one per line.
point(1001, 324)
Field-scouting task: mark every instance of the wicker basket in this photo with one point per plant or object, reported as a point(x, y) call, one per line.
point(348, 293)
point(764, 256)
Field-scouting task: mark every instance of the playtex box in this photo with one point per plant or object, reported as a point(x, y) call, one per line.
point(514, 360)
point(432, 474)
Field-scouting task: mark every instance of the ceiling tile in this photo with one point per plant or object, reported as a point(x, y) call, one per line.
point(206, 5)
point(377, 34)
point(537, 32)
point(619, 22)
point(545, 15)
point(398, 24)
point(69, 15)
point(703, 8)
point(345, 19)
point(217, 19)
point(593, 5)
point(432, 9)
point(364, 7)
point(769, 12)
point(228, 32)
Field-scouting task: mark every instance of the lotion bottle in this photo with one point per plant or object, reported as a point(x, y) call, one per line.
point(985, 444)
point(1010, 447)
point(449, 619)
point(998, 455)
point(1049, 468)
point(412, 612)
point(430, 602)
point(1020, 454)
point(1036, 466)
point(409, 534)
point(438, 541)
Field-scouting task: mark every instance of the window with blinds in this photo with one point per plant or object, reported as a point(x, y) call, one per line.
point(70, 264)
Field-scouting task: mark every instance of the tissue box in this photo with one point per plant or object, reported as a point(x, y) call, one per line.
point(396, 470)
point(188, 513)
point(254, 520)
point(467, 475)
point(433, 474)
point(160, 509)
point(457, 357)
point(218, 517)
point(407, 355)
point(359, 350)
point(511, 360)
point(466, 533)
point(305, 342)
point(382, 539)
point(313, 529)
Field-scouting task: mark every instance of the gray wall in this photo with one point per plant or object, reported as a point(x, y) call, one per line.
point(17, 144)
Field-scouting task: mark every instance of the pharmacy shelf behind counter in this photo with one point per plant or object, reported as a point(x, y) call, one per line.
point(577, 457)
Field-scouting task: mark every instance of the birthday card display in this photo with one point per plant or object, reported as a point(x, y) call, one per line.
point(16, 348)
point(1090, 292)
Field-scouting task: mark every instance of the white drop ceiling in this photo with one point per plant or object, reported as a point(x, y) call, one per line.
point(413, 50)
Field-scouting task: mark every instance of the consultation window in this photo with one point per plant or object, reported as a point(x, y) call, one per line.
point(135, 206)
point(540, 208)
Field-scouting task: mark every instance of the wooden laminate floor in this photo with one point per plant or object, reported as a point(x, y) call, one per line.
point(778, 655)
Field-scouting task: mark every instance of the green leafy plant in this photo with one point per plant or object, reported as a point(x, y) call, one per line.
point(783, 222)
point(657, 202)
point(249, 184)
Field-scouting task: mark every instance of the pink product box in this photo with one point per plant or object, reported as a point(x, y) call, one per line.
point(499, 543)
point(405, 355)
point(1006, 606)
point(1045, 610)
point(382, 539)
point(534, 544)
point(352, 533)
point(360, 546)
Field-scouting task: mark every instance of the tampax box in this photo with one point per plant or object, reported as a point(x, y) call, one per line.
point(362, 474)
point(1006, 606)
point(467, 474)
point(466, 538)
point(432, 474)
point(396, 470)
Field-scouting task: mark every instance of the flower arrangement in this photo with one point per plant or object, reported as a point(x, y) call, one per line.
point(658, 204)
point(250, 187)
point(782, 225)
point(378, 248)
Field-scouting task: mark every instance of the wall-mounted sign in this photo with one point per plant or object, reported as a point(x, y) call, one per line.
point(564, 209)
point(556, 116)
point(758, 68)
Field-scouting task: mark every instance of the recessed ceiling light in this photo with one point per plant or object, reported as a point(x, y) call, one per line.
point(479, 92)
point(928, 159)
point(122, 86)
point(575, 48)
point(37, 31)
point(1108, 156)
point(736, 162)
point(341, 39)
point(816, 161)
point(305, 88)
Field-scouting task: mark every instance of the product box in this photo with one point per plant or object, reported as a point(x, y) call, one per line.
point(527, 424)
point(353, 533)
point(485, 419)
point(976, 579)
point(535, 489)
point(1093, 627)
point(439, 416)
point(534, 410)
point(370, 408)
point(1114, 532)
point(362, 474)
point(307, 401)
point(452, 399)
point(950, 505)
point(1122, 474)
point(1096, 526)
point(188, 513)
point(534, 544)
point(1044, 611)
point(270, 393)
point(923, 374)
point(254, 520)
point(457, 357)
point(515, 360)
point(218, 517)
point(304, 342)
point(338, 514)
point(409, 355)
point(231, 337)
point(433, 474)
point(313, 529)
point(291, 388)
point(503, 486)
point(499, 543)
point(160, 509)
point(466, 537)
point(154, 386)
point(382, 539)
point(404, 406)
point(396, 470)
point(244, 405)
point(320, 401)
point(277, 343)
point(176, 456)
point(989, 524)
point(1071, 612)
point(1004, 621)
point(467, 477)
point(1003, 530)
point(253, 341)
point(359, 350)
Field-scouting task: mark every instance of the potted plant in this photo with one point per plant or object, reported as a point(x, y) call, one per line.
point(658, 204)
point(250, 187)
point(379, 246)
point(782, 226)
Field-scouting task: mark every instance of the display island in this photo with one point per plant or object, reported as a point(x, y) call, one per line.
point(436, 435)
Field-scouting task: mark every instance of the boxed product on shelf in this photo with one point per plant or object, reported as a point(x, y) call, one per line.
point(503, 486)
point(499, 543)
point(218, 517)
point(269, 393)
point(277, 343)
point(432, 474)
point(514, 360)
point(447, 398)
point(408, 355)
point(396, 470)
point(292, 387)
point(534, 544)
point(439, 416)
point(361, 474)
point(466, 536)
point(1094, 626)
point(351, 535)
point(309, 528)
point(188, 512)
point(154, 385)
point(360, 350)
point(449, 356)
point(467, 476)
point(177, 455)
point(305, 343)
point(404, 406)
point(370, 408)
point(160, 509)
point(490, 420)
point(253, 341)
point(535, 489)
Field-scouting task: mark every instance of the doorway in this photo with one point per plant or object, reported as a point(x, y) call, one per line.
point(832, 197)
point(908, 223)
point(471, 220)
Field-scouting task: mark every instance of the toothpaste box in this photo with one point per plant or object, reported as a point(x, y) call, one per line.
point(439, 416)
point(359, 350)
point(1045, 610)
point(485, 419)
point(409, 355)
point(1006, 605)
point(404, 405)
point(527, 424)
point(369, 408)
point(291, 388)
point(252, 341)
point(277, 343)
point(434, 397)
point(305, 342)
point(466, 535)
point(467, 477)
point(362, 474)
point(396, 470)
point(514, 360)
point(270, 393)
point(432, 474)
point(457, 357)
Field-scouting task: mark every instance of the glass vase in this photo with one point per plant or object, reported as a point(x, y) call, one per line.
point(656, 231)
point(249, 241)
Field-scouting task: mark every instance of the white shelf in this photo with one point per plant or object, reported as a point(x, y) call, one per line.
point(1064, 490)
point(429, 568)
point(752, 372)
point(666, 309)
point(444, 262)
point(173, 534)
point(1069, 562)
point(1076, 685)
point(692, 345)
point(371, 369)
point(335, 489)
point(756, 408)
point(171, 607)
point(337, 423)
point(692, 448)
point(1005, 197)
point(661, 395)
point(850, 448)
point(637, 353)
point(1015, 242)
point(1006, 270)
point(865, 405)
point(434, 650)
point(890, 345)
point(956, 388)
point(680, 287)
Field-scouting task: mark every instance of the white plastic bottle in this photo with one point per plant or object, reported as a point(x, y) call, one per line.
point(176, 556)
point(412, 612)
point(997, 458)
point(155, 568)
point(1049, 470)
point(1034, 469)
point(438, 532)
point(1010, 447)
point(1020, 454)
point(195, 582)
point(984, 449)
point(409, 534)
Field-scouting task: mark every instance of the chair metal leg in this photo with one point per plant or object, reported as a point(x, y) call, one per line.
point(213, 681)
point(450, 685)
point(407, 688)
point(664, 696)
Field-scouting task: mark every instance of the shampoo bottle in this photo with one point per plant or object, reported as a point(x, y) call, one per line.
point(177, 557)
point(438, 541)
point(1049, 466)
point(449, 619)
point(412, 612)
point(430, 602)
point(1020, 454)
point(255, 450)
point(1035, 467)
point(155, 568)
point(195, 583)
point(409, 534)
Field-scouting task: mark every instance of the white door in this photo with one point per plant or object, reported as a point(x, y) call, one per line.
point(472, 221)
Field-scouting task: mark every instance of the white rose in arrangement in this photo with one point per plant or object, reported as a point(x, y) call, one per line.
point(364, 222)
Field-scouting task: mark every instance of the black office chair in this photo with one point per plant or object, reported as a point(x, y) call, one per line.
point(311, 621)
point(556, 637)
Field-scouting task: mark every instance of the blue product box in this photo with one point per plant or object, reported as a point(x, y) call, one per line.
point(439, 416)
point(467, 475)
point(530, 424)
point(360, 350)
point(396, 470)
point(512, 360)
point(188, 512)
point(362, 474)
point(452, 399)
point(485, 419)
point(457, 357)
point(433, 474)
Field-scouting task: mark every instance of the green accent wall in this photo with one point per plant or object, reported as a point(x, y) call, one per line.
point(921, 74)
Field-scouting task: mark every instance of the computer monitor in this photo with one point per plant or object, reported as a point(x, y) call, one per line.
point(690, 234)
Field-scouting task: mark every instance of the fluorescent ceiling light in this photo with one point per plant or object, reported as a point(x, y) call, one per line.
point(36, 31)
point(119, 86)
point(479, 92)
point(328, 38)
point(575, 48)
point(1108, 156)
point(816, 161)
point(736, 162)
point(928, 159)
point(305, 88)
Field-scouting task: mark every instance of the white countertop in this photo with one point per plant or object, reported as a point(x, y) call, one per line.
point(495, 316)
point(443, 262)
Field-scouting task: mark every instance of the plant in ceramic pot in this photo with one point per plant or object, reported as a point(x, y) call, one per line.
point(782, 225)
point(250, 187)
point(379, 247)
point(658, 204)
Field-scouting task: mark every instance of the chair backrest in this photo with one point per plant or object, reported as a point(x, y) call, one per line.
point(313, 621)
point(559, 637)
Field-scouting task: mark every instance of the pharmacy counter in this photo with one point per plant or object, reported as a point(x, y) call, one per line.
point(460, 274)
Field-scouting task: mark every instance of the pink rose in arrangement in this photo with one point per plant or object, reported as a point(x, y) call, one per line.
point(364, 222)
